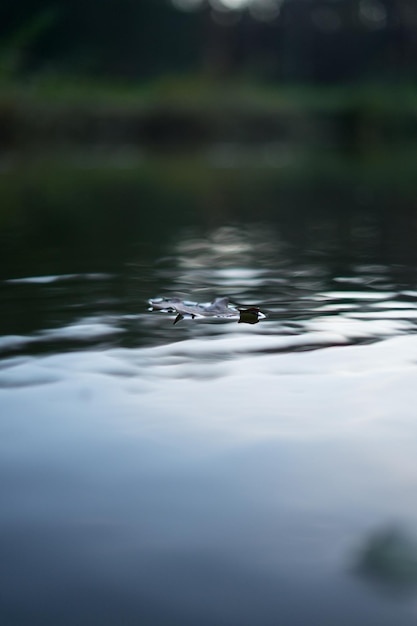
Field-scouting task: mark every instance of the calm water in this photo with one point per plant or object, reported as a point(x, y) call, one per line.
point(207, 473)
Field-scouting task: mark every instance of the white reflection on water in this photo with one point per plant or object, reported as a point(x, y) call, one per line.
point(87, 329)
point(183, 487)
point(44, 280)
point(228, 254)
point(355, 295)
point(262, 390)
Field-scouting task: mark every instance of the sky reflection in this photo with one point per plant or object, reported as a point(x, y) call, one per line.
point(259, 483)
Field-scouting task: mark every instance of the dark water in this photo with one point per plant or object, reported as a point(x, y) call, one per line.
point(210, 472)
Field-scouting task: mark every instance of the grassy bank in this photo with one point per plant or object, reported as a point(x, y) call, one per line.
point(186, 113)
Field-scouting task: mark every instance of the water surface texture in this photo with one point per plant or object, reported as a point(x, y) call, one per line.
point(211, 472)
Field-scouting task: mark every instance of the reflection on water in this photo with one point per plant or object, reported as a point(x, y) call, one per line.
point(389, 559)
point(48, 313)
point(206, 472)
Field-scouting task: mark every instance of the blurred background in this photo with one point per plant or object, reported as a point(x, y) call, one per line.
point(191, 72)
point(294, 108)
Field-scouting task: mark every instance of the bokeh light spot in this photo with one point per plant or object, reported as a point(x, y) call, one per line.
point(265, 10)
point(372, 14)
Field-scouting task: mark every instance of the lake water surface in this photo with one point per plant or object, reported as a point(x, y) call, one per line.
point(208, 473)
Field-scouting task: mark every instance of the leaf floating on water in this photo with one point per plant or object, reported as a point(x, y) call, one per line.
point(220, 307)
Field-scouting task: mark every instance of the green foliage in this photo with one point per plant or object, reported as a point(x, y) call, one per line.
point(13, 45)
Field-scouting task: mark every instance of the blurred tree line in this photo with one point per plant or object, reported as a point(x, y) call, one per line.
point(315, 41)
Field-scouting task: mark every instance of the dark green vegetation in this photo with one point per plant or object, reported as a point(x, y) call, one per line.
point(191, 114)
point(302, 40)
point(147, 74)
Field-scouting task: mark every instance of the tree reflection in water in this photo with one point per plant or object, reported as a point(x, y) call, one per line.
point(389, 560)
